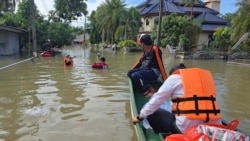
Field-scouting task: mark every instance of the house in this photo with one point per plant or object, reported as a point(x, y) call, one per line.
point(9, 40)
point(207, 11)
point(79, 39)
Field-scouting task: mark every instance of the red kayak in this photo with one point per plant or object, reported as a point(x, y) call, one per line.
point(100, 66)
point(46, 54)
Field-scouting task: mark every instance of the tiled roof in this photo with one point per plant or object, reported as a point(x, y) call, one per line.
point(199, 10)
point(210, 18)
point(152, 7)
point(211, 27)
point(12, 29)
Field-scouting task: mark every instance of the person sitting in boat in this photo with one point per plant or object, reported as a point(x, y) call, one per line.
point(193, 94)
point(47, 47)
point(100, 64)
point(68, 60)
point(149, 68)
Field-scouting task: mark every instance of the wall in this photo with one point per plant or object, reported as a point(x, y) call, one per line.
point(149, 27)
point(213, 4)
point(9, 42)
point(203, 40)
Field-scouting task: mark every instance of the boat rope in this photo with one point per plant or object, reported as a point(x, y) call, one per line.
point(31, 58)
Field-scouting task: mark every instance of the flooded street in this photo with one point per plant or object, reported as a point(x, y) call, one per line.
point(46, 101)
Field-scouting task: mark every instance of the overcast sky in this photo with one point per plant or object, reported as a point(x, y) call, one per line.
point(227, 6)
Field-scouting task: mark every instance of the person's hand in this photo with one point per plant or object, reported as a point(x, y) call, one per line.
point(148, 94)
point(135, 120)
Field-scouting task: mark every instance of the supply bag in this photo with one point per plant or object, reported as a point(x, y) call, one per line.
point(211, 132)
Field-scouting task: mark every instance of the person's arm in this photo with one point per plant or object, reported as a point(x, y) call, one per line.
point(137, 64)
point(164, 92)
point(158, 56)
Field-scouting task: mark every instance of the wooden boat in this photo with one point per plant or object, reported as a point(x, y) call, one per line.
point(137, 100)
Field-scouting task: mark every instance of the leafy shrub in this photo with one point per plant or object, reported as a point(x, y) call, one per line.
point(127, 43)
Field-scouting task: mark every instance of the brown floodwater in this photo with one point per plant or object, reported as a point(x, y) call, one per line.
point(47, 102)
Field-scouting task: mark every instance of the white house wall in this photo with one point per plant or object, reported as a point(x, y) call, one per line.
point(203, 40)
point(149, 27)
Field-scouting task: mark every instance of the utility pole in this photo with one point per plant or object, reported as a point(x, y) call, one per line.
point(159, 23)
point(84, 38)
point(33, 26)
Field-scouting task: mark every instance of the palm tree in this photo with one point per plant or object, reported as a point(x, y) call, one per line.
point(130, 23)
point(108, 15)
point(241, 21)
point(116, 21)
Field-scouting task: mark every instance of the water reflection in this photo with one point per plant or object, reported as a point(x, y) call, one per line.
point(45, 101)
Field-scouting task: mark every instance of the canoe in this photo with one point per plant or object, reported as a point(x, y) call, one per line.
point(137, 100)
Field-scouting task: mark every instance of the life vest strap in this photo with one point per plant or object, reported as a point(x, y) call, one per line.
point(194, 111)
point(177, 100)
point(197, 111)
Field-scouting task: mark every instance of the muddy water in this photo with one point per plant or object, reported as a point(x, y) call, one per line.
point(47, 101)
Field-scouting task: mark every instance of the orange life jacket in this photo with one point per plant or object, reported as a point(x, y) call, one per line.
point(159, 60)
point(199, 99)
point(67, 64)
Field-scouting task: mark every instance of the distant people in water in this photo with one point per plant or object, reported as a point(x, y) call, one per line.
point(47, 47)
point(68, 60)
point(98, 57)
point(100, 64)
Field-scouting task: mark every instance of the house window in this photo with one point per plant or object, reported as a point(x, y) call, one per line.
point(210, 41)
point(147, 21)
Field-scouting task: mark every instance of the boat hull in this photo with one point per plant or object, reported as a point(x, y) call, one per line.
point(137, 100)
point(46, 54)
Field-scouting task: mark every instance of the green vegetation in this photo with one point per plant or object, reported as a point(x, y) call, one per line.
point(55, 27)
point(115, 22)
point(128, 43)
point(178, 29)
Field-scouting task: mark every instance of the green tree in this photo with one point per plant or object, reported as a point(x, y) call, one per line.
point(68, 10)
point(116, 21)
point(228, 17)
point(178, 29)
point(130, 24)
point(95, 34)
point(241, 23)
point(109, 15)
point(222, 38)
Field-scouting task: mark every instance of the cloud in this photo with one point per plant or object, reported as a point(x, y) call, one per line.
point(93, 4)
point(46, 5)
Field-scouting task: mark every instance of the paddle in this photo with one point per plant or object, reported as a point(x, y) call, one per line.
point(53, 48)
point(31, 58)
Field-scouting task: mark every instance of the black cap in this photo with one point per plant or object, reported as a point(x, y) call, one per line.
point(103, 59)
point(176, 67)
point(146, 39)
